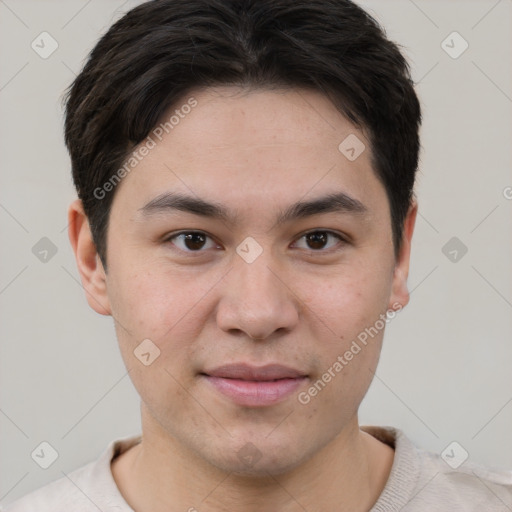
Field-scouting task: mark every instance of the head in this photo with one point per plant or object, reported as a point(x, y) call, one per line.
point(245, 173)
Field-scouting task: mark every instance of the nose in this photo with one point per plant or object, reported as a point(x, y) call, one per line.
point(257, 299)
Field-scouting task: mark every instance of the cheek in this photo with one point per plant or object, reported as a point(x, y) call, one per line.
point(169, 309)
point(153, 304)
point(348, 301)
point(154, 307)
point(348, 314)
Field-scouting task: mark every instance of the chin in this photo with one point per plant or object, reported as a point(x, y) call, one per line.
point(253, 458)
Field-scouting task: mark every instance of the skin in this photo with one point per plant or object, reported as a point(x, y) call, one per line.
point(298, 304)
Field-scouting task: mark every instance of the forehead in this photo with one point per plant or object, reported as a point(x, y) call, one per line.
point(249, 147)
point(248, 119)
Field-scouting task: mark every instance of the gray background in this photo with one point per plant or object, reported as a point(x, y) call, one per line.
point(445, 369)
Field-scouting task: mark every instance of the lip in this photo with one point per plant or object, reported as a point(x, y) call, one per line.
point(255, 386)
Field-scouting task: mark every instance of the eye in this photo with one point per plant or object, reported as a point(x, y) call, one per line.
point(198, 241)
point(191, 241)
point(317, 241)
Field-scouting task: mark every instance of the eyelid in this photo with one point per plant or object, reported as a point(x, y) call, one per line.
point(168, 239)
point(343, 240)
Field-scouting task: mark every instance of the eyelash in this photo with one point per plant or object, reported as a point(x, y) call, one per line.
point(343, 241)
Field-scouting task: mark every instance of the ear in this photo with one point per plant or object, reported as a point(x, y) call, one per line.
point(89, 265)
point(400, 292)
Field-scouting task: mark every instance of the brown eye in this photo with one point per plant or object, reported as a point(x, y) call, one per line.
point(191, 241)
point(194, 241)
point(319, 240)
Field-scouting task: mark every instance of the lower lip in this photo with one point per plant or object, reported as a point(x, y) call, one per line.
point(255, 393)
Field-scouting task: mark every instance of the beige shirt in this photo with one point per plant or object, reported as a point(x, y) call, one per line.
point(419, 481)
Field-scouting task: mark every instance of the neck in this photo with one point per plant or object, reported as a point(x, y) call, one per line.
point(160, 474)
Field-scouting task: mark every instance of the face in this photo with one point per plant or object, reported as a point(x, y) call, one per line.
point(250, 281)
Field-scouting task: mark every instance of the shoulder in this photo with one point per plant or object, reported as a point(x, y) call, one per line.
point(466, 486)
point(89, 488)
point(60, 495)
point(423, 480)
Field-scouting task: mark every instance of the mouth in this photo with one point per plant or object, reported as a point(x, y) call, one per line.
point(252, 386)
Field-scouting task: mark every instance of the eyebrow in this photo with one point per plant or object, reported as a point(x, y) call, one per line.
point(169, 202)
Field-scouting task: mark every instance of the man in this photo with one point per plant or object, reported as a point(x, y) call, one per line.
point(245, 174)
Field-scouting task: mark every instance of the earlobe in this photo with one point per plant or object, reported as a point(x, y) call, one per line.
point(400, 292)
point(89, 264)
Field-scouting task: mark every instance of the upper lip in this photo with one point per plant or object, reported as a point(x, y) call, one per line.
point(244, 371)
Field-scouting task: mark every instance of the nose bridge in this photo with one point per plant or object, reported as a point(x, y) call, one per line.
point(256, 284)
point(256, 300)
